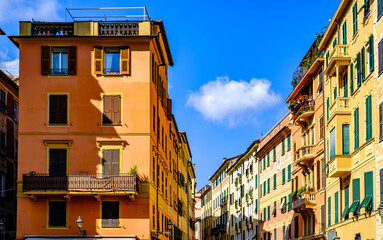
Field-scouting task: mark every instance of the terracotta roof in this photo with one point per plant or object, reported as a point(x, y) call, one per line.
point(2, 32)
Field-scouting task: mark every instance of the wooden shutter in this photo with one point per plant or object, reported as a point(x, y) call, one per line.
point(283, 175)
point(125, 60)
point(318, 175)
point(363, 59)
point(115, 162)
point(275, 181)
point(10, 104)
point(289, 172)
point(346, 139)
point(380, 54)
point(329, 211)
point(356, 128)
point(169, 112)
point(57, 214)
point(62, 109)
point(110, 214)
point(57, 162)
point(45, 60)
point(351, 78)
point(98, 60)
point(107, 162)
point(371, 51)
point(356, 189)
point(381, 185)
point(107, 115)
point(72, 56)
point(344, 27)
point(369, 186)
point(381, 120)
point(336, 208)
point(116, 110)
point(358, 69)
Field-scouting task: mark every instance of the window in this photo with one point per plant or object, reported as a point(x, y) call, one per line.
point(334, 43)
point(332, 143)
point(283, 176)
point(58, 60)
point(268, 212)
point(335, 92)
point(381, 121)
point(327, 57)
point(370, 52)
point(3, 106)
point(366, 7)
point(289, 143)
point(166, 187)
point(268, 185)
point(346, 139)
point(355, 196)
point(356, 128)
point(328, 107)
point(58, 109)
point(321, 127)
point(336, 208)
point(367, 202)
point(283, 147)
point(154, 170)
point(368, 118)
point(351, 78)
point(380, 9)
point(274, 154)
point(268, 159)
point(355, 18)
point(256, 181)
point(344, 32)
point(110, 213)
point(329, 211)
point(275, 234)
point(358, 71)
point(363, 59)
point(111, 110)
point(15, 111)
point(112, 60)
point(275, 181)
point(57, 162)
point(57, 214)
point(345, 86)
point(289, 172)
point(111, 162)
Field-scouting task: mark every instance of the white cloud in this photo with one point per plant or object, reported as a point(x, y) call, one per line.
point(43, 10)
point(232, 101)
point(11, 66)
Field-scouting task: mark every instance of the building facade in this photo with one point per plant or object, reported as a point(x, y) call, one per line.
point(306, 104)
point(206, 212)
point(350, 107)
point(275, 158)
point(104, 146)
point(198, 216)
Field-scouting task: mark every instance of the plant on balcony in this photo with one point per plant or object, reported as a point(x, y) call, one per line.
point(133, 170)
point(301, 190)
point(310, 189)
point(294, 194)
point(32, 173)
point(236, 182)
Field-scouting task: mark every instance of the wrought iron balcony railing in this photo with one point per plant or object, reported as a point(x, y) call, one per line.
point(80, 183)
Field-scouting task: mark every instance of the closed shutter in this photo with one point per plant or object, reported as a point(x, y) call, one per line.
point(368, 118)
point(381, 185)
point(328, 106)
point(72, 64)
point(268, 185)
point(110, 214)
point(329, 211)
point(346, 139)
point(371, 52)
point(45, 60)
point(358, 69)
point(125, 60)
point(381, 121)
point(380, 54)
point(356, 128)
point(107, 116)
point(116, 118)
point(10, 104)
point(363, 59)
point(57, 214)
point(283, 146)
point(369, 186)
point(318, 175)
point(355, 18)
point(58, 109)
point(256, 181)
point(336, 208)
point(283, 175)
point(356, 190)
point(115, 162)
point(10, 138)
point(289, 172)
point(107, 162)
point(275, 181)
point(57, 162)
point(351, 78)
point(323, 217)
point(98, 60)
point(274, 154)
point(344, 28)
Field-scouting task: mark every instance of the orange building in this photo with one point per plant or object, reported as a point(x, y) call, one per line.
point(97, 135)
point(306, 103)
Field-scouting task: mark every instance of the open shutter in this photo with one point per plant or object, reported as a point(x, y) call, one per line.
point(329, 211)
point(45, 60)
point(107, 162)
point(363, 59)
point(72, 65)
point(369, 186)
point(115, 162)
point(107, 116)
point(116, 111)
point(98, 60)
point(371, 51)
point(10, 104)
point(336, 208)
point(351, 78)
point(125, 60)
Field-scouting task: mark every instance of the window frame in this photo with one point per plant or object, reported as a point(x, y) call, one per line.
point(107, 147)
point(52, 145)
point(119, 213)
point(102, 109)
point(47, 226)
point(67, 105)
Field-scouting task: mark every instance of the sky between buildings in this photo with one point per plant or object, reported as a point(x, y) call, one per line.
point(234, 62)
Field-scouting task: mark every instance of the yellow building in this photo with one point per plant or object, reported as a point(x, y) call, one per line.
point(348, 47)
point(243, 189)
point(206, 211)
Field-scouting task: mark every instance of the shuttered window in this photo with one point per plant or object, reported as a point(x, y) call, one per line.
point(274, 154)
point(381, 121)
point(58, 60)
point(363, 59)
point(57, 162)
point(327, 108)
point(57, 214)
point(368, 118)
point(368, 191)
point(344, 32)
point(275, 181)
point(112, 110)
point(336, 208)
point(355, 18)
point(346, 139)
point(371, 52)
point(355, 196)
point(289, 172)
point(329, 211)
point(346, 202)
point(381, 185)
point(327, 58)
point(289, 143)
point(112, 60)
point(283, 147)
point(110, 213)
point(358, 70)
point(256, 181)
point(380, 9)
point(356, 128)
point(351, 78)
point(283, 176)
point(268, 212)
point(323, 217)
point(58, 109)
point(268, 185)
point(335, 92)
point(268, 159)
point(111, 162)
point(332, 143)
point(380, 55)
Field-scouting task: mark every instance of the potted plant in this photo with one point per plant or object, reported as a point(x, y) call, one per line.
point(133, 170)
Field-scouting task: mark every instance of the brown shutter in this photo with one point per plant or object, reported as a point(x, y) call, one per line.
point(323, 217)
point(53, 107)
point(116, 118)
point(115, 162)
point(107, 162)
point(107, 116)
point(318, 179)
point(10, 104)
point(125, 60)
point(98, 60)
point(169, 109)
point(72, 66)
point(10, 138)
point(57, 162)
point(62, 113)
point(45, 60)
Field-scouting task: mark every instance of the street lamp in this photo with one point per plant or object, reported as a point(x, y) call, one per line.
point(79, 225)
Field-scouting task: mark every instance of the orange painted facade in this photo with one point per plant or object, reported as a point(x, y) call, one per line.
point(146, 136)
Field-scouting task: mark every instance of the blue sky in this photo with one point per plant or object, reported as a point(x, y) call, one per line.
point(234, 62)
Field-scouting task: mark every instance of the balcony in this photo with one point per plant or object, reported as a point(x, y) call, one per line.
point(302, 110)
point(223, 201)
point(340, 106)
point(220, 228)
point(339, 165)
point(304, 203)
point(339, 58)
point(305, 155)
point(80, 184)
point(43, 29)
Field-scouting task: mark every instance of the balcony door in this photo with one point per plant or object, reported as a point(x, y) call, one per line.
point(111, 162)
point(57, 162)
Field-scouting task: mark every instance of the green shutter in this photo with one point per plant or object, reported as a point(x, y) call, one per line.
point(283, 146)
point(369, 187)
point(264, 214)
point(363, 59)
point(328, 107)
point(327, 57)
point(371, 52)
point(256, 206)
point(368, 118)
point(275, 234)
point(283, 175)
point(355, 18)
point(329, 211)
point(356, 128)
point(344, 28)
point(274, 154)
point(275, 181)
point(336, 208)
point(289, 143)
point(358, 70)
point(268, 212)
point(268, 185)
point(346, 139)
point(335, 92)
point(290, 202)
point(268, 159)
point(289, 172)
point(284, 233)
point(264, 188)
point(352, 78)
point(355, 194)
point(256, 181)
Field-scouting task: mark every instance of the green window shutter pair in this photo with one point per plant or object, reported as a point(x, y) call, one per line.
point(289, 143)
point(328, 107)
point(275, 181)
point(283, 175)
point(344, 31)
point(371, 52)
point(352, 78)
point(336, 207)
point(356, 128)
point(274, 154)
point(368, 118)
point(346, 139)
point(363, 59)
point(329, 211)
point(283, 147)
point(355, 19)
point(289, 172)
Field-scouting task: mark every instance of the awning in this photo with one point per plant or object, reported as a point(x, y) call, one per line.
point(366, 201)
point(354, 206)
point(345, 212)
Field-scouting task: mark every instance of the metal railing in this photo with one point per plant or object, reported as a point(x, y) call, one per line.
point(106, 13)
point(303, 199)
point(307, 106)
point(52, 29)
point(80, 182)
point(118, 28)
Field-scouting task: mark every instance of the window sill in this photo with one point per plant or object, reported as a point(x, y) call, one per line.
point(59, 76)
point(57, 228)
point(58, 125)
point(110, 226)
point(111, 125)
